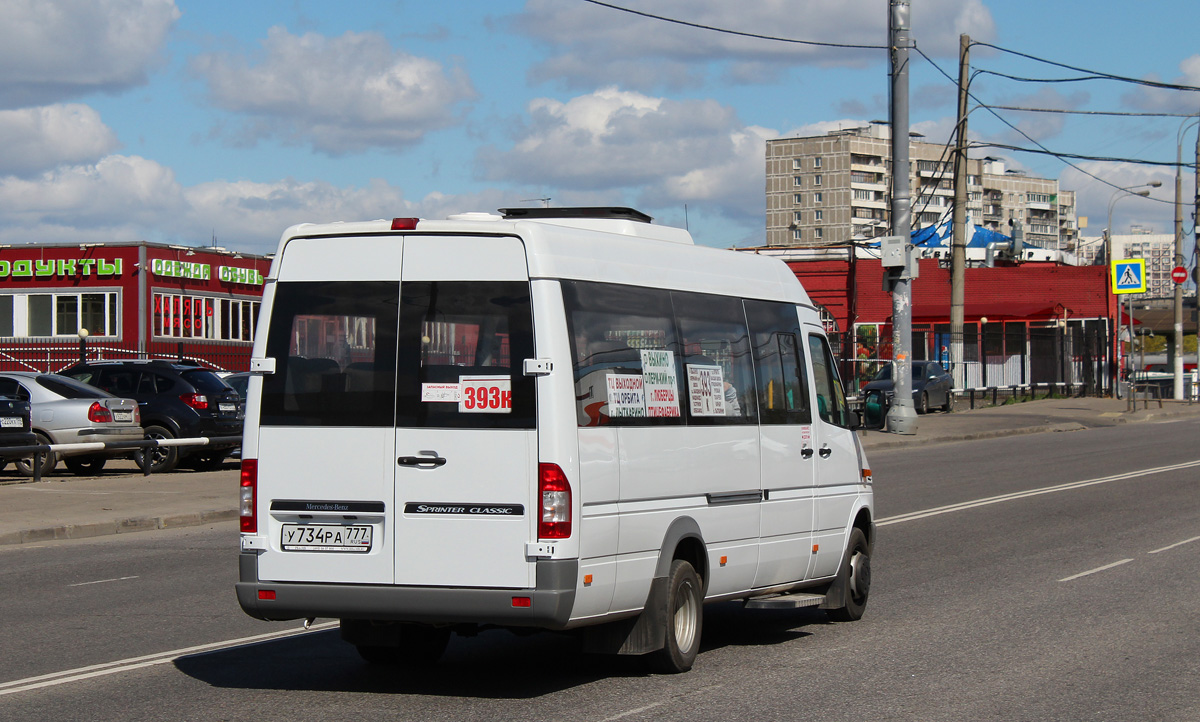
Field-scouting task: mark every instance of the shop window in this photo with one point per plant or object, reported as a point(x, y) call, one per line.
point(219, 319)
point(6, 315)
point(58, 314)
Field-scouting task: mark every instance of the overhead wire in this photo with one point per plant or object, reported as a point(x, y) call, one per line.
point(726, 31)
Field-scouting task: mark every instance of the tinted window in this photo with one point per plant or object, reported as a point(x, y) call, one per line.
point(9, 387)
point(70, 388)
point(626, 351)
point(205, 381)
point(462, 350)
point(831, 401)
point(118, 381)
point(718, 375)
point(778, 363)
point(334, 345)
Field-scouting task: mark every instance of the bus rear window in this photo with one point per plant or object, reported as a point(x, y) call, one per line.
point(334, 343)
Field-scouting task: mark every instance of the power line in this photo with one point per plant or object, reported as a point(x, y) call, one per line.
point(1094, 112)
point(738, 33)
point(1096, 73)
point(1076, 156)
point(1025, 135)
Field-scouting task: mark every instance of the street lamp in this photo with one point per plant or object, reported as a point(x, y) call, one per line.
point(1108, 256)
point(1118, 195)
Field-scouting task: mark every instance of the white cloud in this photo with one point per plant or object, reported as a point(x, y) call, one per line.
point(1094, 198)
point(1170, 101)
point(38, 139)
point(664, 152)
point(126, 198)
point(59, 49)
point(598, 44)
point(341, 95)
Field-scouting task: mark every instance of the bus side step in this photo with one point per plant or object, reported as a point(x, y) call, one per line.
point(785, 601)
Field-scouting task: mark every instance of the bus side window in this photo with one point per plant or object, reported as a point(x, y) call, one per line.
point(831, 401)
point(778, 363)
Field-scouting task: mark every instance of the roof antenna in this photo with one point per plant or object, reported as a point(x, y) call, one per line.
point(545, 201)
point(686, 227)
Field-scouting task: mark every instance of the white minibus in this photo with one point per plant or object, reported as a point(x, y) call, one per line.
point(553, 418)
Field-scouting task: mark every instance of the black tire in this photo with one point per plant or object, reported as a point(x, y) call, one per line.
point(49, 461)
point(923, 403)
point(949, 405)
point(207, 460)
point(855, 578)
point(162, 458)
point(85, 464)
point(685, 620)
point(420, 646)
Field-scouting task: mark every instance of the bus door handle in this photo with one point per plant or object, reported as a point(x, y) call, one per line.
point(422, 461)
point(806, 452)
point(825, 451)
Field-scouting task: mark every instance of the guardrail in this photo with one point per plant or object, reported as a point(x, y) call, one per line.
point(1026, 392)
point(138, 447)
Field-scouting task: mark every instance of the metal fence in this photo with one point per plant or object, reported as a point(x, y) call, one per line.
point(998, 355)
point(49, 358)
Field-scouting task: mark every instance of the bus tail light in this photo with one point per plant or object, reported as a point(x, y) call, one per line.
point(248, 496)
point(555, 493)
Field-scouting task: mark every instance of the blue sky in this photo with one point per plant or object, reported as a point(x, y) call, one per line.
point(177, 121)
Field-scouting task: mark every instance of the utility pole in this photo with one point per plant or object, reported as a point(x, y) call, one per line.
point(1196, 229)
point(958, 244)
point(902, 417)
point(1177, 260)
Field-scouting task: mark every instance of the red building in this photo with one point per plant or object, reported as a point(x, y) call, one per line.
point(135, 300)
point(1027, 323)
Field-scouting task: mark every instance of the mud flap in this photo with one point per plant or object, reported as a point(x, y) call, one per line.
point(642, 634)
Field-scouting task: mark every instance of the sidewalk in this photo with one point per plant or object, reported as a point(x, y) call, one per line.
point(69, 507)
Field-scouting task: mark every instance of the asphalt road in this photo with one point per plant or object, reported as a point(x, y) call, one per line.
point(1045, 577)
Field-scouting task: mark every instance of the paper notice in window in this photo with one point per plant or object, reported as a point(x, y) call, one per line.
point(706, 390)
point(626, 396)
point(440, 393)
point(661, 383)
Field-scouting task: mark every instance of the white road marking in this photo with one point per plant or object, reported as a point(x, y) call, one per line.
point(913, 516)
point(102, 581)
point(99, 670)
point(1176, 544)
point(1097, 569)
point(627, 713)
point(150, 660)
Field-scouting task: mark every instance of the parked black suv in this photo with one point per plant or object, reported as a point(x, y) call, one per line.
point(177, 400)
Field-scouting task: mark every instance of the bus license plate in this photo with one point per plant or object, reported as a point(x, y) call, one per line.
point(325, 538)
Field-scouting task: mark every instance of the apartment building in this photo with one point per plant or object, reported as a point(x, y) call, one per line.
point(837, 187)
point(1157, 248)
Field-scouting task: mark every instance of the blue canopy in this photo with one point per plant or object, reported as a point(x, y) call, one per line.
point(940, 236)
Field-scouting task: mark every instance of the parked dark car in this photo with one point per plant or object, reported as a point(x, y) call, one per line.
point(932, 386)
point(240, 382)
point(177, 400)
point(15, 429)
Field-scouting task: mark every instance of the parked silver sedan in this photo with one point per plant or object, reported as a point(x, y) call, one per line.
point(65, 411)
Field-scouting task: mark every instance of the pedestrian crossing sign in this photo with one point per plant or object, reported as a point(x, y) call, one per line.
point(1129, 276)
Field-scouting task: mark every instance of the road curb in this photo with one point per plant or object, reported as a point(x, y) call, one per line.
point(917, 440)
point(118, 526)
